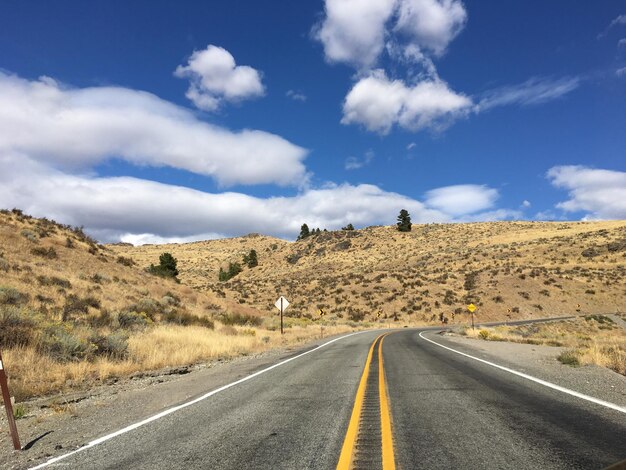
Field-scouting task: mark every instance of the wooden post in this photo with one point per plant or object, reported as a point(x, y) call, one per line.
point(8, 406)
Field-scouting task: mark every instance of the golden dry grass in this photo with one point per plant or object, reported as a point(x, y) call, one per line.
point(535, 269)
point(33, 374)
point(593, 339)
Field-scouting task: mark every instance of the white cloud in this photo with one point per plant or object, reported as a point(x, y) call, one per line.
point(354, 163)
point(296, 95)
point(491, 216)
point(620, 20)
point(462, 199)
point(357, 31)
point(526, 204)
point(621, 42)
point(546, 216)
point(601, 194)
point(151, 238)
point(140, 211)
point(378, 103)
point(431, 24)
point(353, 31)
point(532, 92)
point(621, 72)
point(78, 128)
point(411, 146)
point(215, 77)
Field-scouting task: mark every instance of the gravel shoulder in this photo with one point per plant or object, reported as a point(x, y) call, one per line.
point(59, 424)
point(540, 361)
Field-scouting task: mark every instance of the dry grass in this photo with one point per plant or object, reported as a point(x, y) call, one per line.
point(593, 339)
point(535, 269)
point(33, 374)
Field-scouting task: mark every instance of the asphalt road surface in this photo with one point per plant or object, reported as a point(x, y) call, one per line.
point(446, 411)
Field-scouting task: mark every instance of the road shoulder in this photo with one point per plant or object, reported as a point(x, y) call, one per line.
point(540, 362)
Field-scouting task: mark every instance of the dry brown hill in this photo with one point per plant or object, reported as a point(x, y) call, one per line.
point(508, 269)
point(73, 312)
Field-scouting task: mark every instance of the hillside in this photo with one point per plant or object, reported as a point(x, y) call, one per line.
point(73, 312)
point(513, 270)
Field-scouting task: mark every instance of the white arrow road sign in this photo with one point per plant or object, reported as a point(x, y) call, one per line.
point(284, 303)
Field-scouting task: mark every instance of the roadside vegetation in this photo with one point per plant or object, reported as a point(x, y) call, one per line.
point(86, 315)
point(591, 339)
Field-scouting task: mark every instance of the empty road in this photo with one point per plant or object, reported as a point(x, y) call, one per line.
point(366, 400)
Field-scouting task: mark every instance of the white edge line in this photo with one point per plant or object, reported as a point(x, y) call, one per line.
point(545, 383)
point(185, 405)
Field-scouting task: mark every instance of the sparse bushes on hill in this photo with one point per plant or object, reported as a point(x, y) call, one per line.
point(49, 252)
point(59, 342)
point(114, 346)
point(54, 281)
point(29, 235)
point(11, 296)
point(239, 319)
point(125, 261)
point(75, 305)
point(133, 320)
point(187, 319)
point(17, 327)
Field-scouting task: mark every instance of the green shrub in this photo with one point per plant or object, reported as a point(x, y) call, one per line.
point(19, 411)
point(150, 307)
point(77, 305)
point(114, 346)
point(187, 319)
point(133, 320)
point(233, 270)
point(29, 235)
point(167, 266)
point(483, 334)
point(569, 357)
point(239, 319)
point(104, 318)
point(54, 281)
point(49, 252)
point(125, 261)
point(17, 327)
point(60, 344)
point(11, 296)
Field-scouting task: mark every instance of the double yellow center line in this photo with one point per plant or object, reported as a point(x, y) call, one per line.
point(348, 448)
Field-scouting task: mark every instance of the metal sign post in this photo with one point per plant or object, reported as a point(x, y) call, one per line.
point(472, 308)
point(321, 313)
point(8, 406)
point(281, 304)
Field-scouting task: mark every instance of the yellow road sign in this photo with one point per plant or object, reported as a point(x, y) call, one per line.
point(471, 308)
point(321, 312)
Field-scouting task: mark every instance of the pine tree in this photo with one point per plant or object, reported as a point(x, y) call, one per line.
point(304, 232)
point(404, 221)
point(348, 227)
point(167, 266)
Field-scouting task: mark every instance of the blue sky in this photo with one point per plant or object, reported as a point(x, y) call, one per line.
point(156, 121)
